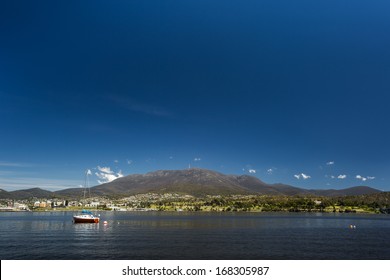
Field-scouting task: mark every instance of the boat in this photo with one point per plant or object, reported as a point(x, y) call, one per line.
point(86, 217)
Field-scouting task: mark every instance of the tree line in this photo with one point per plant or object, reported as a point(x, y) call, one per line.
point(360, 203)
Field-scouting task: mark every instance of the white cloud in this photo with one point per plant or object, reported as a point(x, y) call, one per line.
point(332, 176)
point(105, 170)
point(342, 176)
point(88, 172)
point(303, 176)
point(359, 177)
point(197, 159)
point(270, 171)
point(252, 171)
point(106, 175)
point(116, 161)
point(330, 163)
point(129, 161)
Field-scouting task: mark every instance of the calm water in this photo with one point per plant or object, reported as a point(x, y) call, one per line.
point(162, 235)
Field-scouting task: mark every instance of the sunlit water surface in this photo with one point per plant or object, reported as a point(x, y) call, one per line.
point(182, 235)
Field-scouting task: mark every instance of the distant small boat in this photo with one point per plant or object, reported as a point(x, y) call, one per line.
point(86, 217)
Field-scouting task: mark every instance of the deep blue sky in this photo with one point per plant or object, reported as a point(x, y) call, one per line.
point(279, 87)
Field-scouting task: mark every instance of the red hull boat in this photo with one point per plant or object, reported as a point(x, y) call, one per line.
point(85, 217)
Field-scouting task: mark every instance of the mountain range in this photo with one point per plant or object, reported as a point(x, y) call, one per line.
point(194, 181)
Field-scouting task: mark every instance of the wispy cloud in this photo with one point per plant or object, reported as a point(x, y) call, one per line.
point(270, 171)
point(302, 176)
point(359, 177)
point(6, 173)
point(198, 159)
point(105, 170)
point(129, 161)
point(330, 163)
point(252, 171)
point(342, 176)
point(15, 164)
point(11, 184)
point(135, 106)
point(149, 109)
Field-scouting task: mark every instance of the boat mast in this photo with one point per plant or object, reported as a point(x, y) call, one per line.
point(85, 186)
point(89, 190)
point(86, 183)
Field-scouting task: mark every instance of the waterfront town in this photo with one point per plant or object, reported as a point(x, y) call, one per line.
point(210, 203)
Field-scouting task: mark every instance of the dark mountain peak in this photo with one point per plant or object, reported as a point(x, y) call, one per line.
point(193, 181)
point(32, 192)
point(36, 189)
point(357, 190)
point(4, 194)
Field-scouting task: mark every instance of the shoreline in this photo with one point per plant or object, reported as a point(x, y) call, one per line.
point(360, 211)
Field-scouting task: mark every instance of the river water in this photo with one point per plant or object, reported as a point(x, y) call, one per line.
point(186, 235)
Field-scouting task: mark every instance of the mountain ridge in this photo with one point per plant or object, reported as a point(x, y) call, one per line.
point(195, 181)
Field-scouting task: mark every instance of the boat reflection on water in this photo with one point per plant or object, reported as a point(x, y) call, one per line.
point(85, 235)
point(86, 229)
